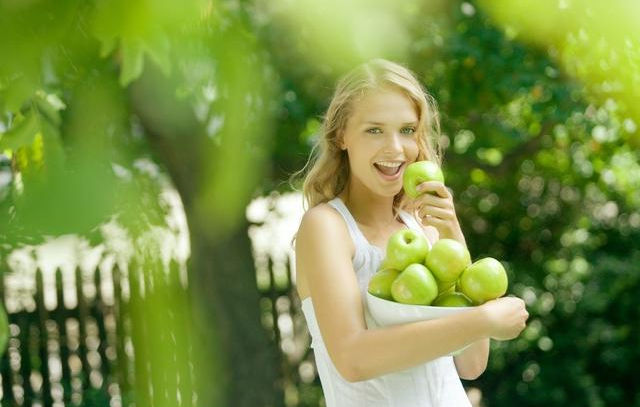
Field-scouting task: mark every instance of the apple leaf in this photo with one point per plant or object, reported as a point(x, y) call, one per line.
point(22, 133)
point(108, 44)
point(16, 91)
point(49, 107)
point(158, 48)
point(132, 60)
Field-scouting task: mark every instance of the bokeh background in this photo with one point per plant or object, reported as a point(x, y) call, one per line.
point(146, 211)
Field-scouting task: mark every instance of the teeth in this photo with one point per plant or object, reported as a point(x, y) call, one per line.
point(389, 164)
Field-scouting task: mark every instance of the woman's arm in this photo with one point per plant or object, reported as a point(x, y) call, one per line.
point(472, 362)
point(322, 251)
point(437, 210)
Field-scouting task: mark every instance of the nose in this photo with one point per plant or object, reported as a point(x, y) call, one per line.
point(393, 141)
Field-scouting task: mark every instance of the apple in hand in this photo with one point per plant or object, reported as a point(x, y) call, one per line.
point(380, 283)
point(484, 280)
point(405, 247)
point(418, 172)
point(447, 259)
point(415, 285)
point(452, 299)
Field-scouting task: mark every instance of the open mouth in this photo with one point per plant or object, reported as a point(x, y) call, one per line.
point(389, 168)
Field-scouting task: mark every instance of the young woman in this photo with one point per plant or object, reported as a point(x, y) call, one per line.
point(379, 121)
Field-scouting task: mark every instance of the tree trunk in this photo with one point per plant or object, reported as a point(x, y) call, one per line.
point(243, 365)
point(222, 278)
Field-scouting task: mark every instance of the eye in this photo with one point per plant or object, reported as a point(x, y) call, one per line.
point(408, 130)
point(374, 130)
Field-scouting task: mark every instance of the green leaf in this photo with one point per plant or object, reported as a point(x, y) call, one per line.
point(15, 92)
point(158, 48)
point(132, 60)
point(108, 44)
point(49, 107)
point(21, 134)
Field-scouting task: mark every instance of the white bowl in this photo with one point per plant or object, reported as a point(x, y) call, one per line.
point(389, 313)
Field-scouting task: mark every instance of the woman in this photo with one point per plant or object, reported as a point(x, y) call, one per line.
point(379, 121)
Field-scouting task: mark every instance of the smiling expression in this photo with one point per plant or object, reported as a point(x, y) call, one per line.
point(380, 140)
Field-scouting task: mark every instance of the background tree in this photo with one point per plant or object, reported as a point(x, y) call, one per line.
point(87, 88)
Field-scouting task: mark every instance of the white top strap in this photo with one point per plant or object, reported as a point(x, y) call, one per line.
point(356, 234)
point(354, 230)
point(409, 220)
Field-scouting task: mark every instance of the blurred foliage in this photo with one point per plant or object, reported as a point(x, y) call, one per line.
point(71, 108)
point(92, 96)
point(540, 122)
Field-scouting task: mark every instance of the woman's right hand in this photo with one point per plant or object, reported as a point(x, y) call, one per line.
point(506, 317)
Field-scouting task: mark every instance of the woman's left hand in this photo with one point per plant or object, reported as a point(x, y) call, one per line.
point(434, 206)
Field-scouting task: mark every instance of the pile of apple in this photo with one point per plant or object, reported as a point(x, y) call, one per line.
point(444, 275)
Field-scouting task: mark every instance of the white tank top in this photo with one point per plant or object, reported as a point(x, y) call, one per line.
point(432, 384)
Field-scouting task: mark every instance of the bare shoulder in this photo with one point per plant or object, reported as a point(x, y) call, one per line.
point(322, 212)
point(322, 229)
point(323, 224)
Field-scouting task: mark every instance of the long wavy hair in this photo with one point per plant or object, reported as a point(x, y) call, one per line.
point(326, 173)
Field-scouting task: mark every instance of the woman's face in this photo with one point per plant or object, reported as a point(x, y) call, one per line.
point(380, 140)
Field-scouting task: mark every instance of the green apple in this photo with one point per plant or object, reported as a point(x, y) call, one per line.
point(384, 265)
point(484, 280)
point(380, 283)
point(446, 287)
point(418, 172)
point(452, 299)
point(405, 247)
point(415, 285)
point(447, 259)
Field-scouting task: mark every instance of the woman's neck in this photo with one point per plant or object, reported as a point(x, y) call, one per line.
point(368, 209)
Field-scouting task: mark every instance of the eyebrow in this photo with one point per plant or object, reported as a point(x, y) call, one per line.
point(382, 124)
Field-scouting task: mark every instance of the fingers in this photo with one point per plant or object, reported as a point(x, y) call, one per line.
point(513, 317)
point(434, 187)
point(433, 200)
point(432, 207)
point(436, 222)
point(433, 211)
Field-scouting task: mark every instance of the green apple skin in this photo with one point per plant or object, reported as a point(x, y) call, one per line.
point(452, 299)
point(384, 265)
point(484, 280)
point(446, 287)
point(418, 172)
point(405, 247)
point(447, 259)
point(380, 283)
point(415, 285)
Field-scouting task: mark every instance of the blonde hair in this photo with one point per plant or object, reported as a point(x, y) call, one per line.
point(327, 171)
